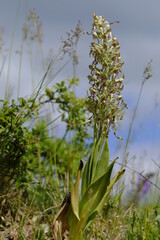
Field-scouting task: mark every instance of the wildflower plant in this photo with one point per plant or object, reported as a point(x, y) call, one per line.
point(105, 101)
point(106, 105)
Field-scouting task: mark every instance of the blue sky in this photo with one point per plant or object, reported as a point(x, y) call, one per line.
point(139, 35)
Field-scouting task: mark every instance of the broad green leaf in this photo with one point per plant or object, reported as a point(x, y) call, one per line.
point(76, 232)
point(72, 222)
point(87, 174)
point(75, 193)
point(73, 219)
point(100, 206)
point(96, 156)
point(95, 193)
point(75, 226)
point(102, 202)
point(91, 218)
point(91, 165)
point(102, 164)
